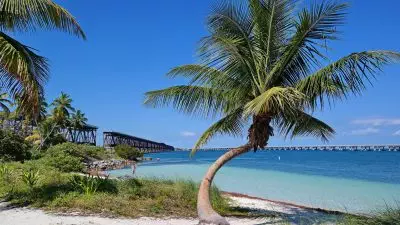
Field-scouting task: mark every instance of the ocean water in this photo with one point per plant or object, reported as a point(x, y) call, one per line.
point(355, 182)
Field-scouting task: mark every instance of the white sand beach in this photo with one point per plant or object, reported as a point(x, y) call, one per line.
point(292, 214)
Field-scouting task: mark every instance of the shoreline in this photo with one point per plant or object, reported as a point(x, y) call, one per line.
point(283, 203)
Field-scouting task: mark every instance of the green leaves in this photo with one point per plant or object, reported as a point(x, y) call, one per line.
point(232, 124)
point(30, 178)
point(22, 71)
point(276, 100)
point(29, 15)
point(197, 100)
point(5, 103)
point(348, 75)
point(300, 123)
point(313, 28)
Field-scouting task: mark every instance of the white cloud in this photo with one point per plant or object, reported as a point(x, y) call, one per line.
point(376, 122)
point(365, 131)
point(188, 133)
point(397, 133)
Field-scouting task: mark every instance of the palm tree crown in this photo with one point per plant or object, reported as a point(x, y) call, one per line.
point(78, 120)
point(21, 70)
point(263, 64)
point(62, 108)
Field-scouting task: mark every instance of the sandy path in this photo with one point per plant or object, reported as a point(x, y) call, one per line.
point(24, 216)
point(296, 215)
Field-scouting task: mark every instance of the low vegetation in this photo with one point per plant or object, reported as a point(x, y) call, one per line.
point(40, 185)
point(69, 157)
point(13, 147)
point(128, 152)
point(389, 216)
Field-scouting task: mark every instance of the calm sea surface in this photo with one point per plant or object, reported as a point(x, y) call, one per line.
point(361, 182)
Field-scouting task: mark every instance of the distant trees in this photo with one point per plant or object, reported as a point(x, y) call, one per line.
point(23, 72)
point(63, 118)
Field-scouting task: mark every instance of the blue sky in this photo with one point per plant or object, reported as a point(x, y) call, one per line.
point(132, 44)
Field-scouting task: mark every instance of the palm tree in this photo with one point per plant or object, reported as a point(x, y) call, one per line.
point(5, 103)
point(77, 122)
point(42, 110)
point(21, 70)
point(62, 109)
point(263, 67)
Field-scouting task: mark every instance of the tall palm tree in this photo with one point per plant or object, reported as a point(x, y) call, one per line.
point(5, 103)
point(78, 119)
point(42, 110)
point(62, 108)
point(263, 67)
point(76, 123)
point(21, 70)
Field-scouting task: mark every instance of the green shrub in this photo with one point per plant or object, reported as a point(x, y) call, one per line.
point(13, 147)
point(69, 157)
point(90, 184)
point(30, 178)
point(127, 152)
point(63, 161)
point(6, 179)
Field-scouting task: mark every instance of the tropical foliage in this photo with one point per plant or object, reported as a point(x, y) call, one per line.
point(127, 152)
point(5, 103)
point(62, 109)
point(264, 66)
point(70, 157)
point(22, 71)
point(63, 118)
point(13, 147)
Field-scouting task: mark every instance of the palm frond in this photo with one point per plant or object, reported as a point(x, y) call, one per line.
point(23, 72)
point(232, 124)
point(275, 101)
point(205, 75)
point(194, 100)
point(28, 15)
point(229, 47)
point(5, 108)
point(302, 124)
point(348, 75)
point(314, 27)
point(273, 20)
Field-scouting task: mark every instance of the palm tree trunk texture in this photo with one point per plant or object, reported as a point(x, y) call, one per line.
point(206, 213)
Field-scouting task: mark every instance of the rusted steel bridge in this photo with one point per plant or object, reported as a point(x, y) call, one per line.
point(82, 135)
point(389, 148)
point(112, 139)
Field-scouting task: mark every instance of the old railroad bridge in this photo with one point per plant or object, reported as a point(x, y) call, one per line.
point(86, 134)
point(392, 148)
point(112, 139)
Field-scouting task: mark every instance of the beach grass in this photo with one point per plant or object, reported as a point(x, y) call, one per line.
point(387, 216)
point(57, 191)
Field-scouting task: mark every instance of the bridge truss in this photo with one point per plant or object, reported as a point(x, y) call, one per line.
point(112, 139)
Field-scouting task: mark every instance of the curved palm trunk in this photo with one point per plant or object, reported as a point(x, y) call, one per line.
point(206, 213)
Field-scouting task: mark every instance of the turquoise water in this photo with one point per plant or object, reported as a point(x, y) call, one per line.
point(357, 182)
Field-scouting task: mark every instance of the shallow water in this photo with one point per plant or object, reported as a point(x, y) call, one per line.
point(359, 182)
